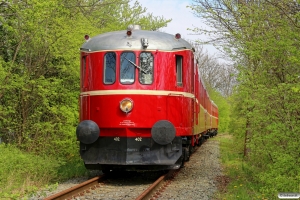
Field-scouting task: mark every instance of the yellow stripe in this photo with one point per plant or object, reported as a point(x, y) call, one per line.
point(207, 112)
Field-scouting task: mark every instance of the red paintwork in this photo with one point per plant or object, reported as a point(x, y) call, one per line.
point(180, 110)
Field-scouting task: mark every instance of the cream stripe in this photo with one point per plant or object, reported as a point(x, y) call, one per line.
point(143, 92)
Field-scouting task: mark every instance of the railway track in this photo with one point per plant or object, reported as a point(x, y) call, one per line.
point(197, 180)
point(79, 189)
point(159, 186)
point(117, 186)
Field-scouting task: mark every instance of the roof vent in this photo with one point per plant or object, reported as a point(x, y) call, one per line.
point(145, 42)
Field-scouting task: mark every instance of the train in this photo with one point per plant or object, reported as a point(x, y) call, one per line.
point(142, 103)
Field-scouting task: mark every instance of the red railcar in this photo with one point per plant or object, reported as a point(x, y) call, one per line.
point(142, 103)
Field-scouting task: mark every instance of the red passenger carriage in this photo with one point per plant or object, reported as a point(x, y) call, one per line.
point(142, 103)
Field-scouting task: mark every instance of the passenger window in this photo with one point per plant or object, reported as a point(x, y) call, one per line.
point(127, 69)
point(109, 68)
point(146, 68)
point(179, 70)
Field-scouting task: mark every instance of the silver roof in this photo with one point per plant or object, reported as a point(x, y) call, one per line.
point(119, 40)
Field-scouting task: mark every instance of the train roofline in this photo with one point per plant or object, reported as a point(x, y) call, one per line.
point(120, 40)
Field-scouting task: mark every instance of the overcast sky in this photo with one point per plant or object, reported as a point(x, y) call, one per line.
point(182, 18)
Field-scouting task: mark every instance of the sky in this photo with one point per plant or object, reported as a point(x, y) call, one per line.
point(182, 18)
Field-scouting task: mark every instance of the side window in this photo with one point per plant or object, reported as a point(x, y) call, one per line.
point(109, 68)
point(83, 69)
point(127, 68)
point(179, 70)
point(146, 68)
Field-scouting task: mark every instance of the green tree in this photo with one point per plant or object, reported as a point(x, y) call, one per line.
point(39, 66)
point(262, 37)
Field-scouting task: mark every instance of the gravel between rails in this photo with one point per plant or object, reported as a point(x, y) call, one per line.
point(197, 180)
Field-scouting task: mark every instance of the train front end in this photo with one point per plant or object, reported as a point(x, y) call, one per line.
point(129, 118)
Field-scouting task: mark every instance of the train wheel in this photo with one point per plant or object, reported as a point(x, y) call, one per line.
point(186, 154)
point(199, 142)
point(191, 149)
point(105, 171)
point(182, 162)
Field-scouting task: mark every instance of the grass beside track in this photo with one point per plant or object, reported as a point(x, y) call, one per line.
point(237, 181)
point(22, 174)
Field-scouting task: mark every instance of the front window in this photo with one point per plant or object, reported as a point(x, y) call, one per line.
point(109, 68)
point(127, 68)
point(146, 68)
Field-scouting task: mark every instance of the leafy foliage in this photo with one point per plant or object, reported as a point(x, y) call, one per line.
point(39, 66)
point(262, 37)
point(39, 71)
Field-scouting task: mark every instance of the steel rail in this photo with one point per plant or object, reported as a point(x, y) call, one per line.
point(152, 192)
point(158, 186)
point(77, 189)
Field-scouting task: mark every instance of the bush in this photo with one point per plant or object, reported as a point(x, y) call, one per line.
point(22, 173)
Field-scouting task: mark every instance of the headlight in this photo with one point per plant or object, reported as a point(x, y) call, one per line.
point(126, 105)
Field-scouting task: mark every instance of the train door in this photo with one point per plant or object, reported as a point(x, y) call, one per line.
point(84, 100)
point(175, 99)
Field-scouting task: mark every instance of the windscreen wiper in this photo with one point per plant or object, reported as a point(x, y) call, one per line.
point(136, 66)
